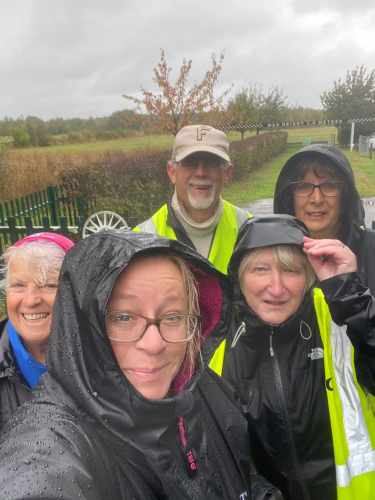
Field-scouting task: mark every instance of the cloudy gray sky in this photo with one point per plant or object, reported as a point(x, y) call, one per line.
point(77, 57)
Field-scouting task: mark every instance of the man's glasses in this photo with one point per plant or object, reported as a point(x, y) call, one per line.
point(327, 188)
point(208, 160)
point(129, 327)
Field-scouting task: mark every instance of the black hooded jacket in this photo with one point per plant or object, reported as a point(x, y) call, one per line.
point(90, 435)
point(353, 231)
point(13, 389)
point(279, 374)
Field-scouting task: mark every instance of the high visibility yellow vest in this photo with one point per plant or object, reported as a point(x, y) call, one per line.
point(225, 234)
point(351, 409)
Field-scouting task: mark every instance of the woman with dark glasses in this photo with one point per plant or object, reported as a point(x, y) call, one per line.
point(317, 186)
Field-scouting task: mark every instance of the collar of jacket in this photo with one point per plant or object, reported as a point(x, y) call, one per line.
point(256, 328)
point(81, 364)
point(176, 225)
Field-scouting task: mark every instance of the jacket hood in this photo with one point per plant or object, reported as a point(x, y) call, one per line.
point(258, 232)
point(80, 358)
point(352, 207)
point(270, 230)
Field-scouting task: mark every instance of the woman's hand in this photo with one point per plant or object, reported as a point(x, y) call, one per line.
point(329, 257)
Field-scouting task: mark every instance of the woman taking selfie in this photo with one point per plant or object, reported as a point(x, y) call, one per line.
point(127, 409)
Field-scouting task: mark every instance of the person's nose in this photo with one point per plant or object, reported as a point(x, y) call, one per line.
point(151, 340)
point(32, 296)
point(276, 285)
point(200, 169)
point(316, 196)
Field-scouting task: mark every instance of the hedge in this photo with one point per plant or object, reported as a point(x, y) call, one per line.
point(131, 184)
point(251, 153)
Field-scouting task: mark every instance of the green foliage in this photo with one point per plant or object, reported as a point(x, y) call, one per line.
point(254, 105)
point(249, 154)
point(21, 137)
point(134, 185)
point(301, 114)
point(74, 130)
point(353, 97)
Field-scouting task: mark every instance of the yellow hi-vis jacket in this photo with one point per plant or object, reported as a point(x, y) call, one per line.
point(351, 409)
point(225, 234)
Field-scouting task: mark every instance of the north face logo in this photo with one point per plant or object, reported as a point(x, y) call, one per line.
point(316, 353)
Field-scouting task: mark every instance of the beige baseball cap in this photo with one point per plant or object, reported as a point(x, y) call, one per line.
point(200, 138)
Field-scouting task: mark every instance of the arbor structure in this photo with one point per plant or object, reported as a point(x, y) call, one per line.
point(351, 98)
point(256, 106)
point(176, 104)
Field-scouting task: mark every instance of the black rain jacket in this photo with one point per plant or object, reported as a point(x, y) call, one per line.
point(278, 373)
point(90, 435)
point(13, 388)
point(353, 231)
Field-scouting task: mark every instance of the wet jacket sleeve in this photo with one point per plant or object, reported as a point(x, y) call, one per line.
point(351, 303)
point(37, 462)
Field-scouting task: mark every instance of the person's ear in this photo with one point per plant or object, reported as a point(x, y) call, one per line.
point(171, 171)
point(228, 173)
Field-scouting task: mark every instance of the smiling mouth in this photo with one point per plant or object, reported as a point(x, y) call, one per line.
point(145, 372)
point(201, 186)
point(274, 303)
point(35, 316)
point(316, 214)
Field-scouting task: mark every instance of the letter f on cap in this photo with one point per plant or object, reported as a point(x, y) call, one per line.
point(201, 133)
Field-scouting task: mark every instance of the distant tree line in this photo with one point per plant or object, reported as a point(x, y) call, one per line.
point(33, 131)
point(175, 104)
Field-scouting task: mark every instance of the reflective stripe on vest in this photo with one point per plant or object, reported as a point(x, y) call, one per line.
point(351, 410)
point(351, 415)
point(225, 234)
point(217, 361)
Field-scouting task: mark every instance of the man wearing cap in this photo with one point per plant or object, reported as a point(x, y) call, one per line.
point(196, 214)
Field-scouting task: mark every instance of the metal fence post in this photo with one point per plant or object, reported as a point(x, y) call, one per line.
point(51, 196)
point(12, 229)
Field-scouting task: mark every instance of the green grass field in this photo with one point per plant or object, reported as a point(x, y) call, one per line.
point(145, 142)
point(165, 141)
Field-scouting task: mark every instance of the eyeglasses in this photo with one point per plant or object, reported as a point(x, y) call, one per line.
point(327, 188)
point(209, 161)
point(129, 327)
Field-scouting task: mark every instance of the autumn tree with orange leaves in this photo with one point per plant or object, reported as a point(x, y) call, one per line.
point(177, 104)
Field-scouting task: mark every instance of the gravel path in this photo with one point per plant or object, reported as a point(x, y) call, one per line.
point(264, 207)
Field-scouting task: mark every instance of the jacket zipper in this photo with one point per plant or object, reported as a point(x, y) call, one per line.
point(281, 396)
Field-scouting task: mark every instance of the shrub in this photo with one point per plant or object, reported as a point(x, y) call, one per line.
point(251, 153)
point(134, 185)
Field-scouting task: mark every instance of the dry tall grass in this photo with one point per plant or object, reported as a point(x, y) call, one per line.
point(25, 173)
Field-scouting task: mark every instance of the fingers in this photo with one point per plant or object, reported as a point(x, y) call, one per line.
point(330, 251)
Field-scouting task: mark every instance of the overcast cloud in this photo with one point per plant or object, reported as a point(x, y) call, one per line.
point(77, 57)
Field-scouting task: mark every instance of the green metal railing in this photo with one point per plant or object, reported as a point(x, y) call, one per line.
point(49, 210)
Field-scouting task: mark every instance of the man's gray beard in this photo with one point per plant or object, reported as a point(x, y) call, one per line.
point(201, 203)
